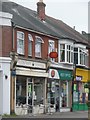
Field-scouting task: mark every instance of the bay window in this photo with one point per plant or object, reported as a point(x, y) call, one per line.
point(62, 52)
point(30, 39)
point(20, 42)
point(66, 53)
point(75, 55)
point(80, 56)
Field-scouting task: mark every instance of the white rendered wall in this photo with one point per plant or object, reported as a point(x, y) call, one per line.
point(5, 19)
point(5, 85)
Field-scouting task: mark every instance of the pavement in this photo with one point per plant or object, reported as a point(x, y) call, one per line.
point(78, 115)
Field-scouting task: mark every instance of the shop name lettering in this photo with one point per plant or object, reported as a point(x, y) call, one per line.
point(65, 75)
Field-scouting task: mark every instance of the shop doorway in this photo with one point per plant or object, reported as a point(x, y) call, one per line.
point(24, 95)
point(53, 95)
point(30, 95)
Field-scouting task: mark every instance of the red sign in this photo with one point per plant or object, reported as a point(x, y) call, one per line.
point(53, 54)
point(52, 73)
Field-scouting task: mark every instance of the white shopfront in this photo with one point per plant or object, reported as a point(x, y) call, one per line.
point(5, 85)
point(30, 87)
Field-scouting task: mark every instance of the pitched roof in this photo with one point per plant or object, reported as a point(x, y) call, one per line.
point(28, 18)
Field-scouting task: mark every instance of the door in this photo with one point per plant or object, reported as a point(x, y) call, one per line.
point(30, 95)
point(57, 95)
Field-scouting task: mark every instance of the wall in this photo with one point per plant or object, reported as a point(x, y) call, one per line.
point(44, 45)
point(6, 40)
point(5, 83)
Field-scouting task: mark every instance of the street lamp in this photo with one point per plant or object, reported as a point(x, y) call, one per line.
point(14, 57)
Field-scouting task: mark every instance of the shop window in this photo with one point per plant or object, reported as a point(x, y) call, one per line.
point(20, 92)
point(20, 42)
point(38, 94)
point(64, 94)
point(80, 94)
point(30, 39)
point(38, 46)
point(51, 48)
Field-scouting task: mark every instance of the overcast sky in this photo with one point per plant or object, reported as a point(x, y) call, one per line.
point(72, 12)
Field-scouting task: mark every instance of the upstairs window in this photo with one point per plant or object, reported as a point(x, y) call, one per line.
point(62, 52)
point(81, 56)
point(20, 42)
point(38, 46)
point(30, 39)
point(66, 53)
point(51, 48)
point(75, 55)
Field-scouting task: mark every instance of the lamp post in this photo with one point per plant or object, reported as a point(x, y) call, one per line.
point(14, 57)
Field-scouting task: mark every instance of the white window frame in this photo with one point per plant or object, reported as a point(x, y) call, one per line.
point(20, 48)
point(30, 39)
point(66, 50)
point(84, 53)
point(38, 42)
point(51, 48)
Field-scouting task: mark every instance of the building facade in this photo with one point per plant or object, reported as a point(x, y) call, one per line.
point(38, 83)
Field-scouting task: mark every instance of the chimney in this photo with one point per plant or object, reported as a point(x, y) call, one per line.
point(41, 10)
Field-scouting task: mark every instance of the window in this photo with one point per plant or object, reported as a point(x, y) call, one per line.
point(20, 42)
point(66, 53)
point(86, 62)
point(69, 53)
point(30, 39)
point(62, 52)
point(75, 55)
point(38, 44)
point(51, 47)
point(81, 56)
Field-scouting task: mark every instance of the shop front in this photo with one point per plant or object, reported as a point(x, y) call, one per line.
point(59, 90)
point(30, 88)
point(80, 91)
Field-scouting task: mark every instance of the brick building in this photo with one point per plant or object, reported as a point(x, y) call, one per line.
point(37, 81)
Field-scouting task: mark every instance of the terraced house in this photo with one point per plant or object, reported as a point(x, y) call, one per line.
point(43, 62)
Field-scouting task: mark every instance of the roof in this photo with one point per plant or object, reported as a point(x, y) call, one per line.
point(29, 19)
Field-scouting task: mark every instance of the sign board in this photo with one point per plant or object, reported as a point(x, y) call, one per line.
point(65, 74)
point(78, 78)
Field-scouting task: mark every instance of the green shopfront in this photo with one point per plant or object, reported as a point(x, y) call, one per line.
point(59, 90)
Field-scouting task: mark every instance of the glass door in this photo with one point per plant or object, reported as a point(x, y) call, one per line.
point(30, 95)
point(57, 95)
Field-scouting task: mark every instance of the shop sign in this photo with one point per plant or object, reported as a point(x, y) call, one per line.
point(78, 78)
point(65, 74)
point(52, 73)
point(13, 73)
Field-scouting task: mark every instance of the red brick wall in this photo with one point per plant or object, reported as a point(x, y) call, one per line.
point(0, 41)
point(44, 53)
point(6, 41)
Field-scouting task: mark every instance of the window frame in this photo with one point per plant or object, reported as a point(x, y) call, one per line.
point(70, 51)
point(52, 42)
point(38, 41)
point(30, 40)
point(18, 42)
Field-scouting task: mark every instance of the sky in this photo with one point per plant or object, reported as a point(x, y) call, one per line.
point(71, 12)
